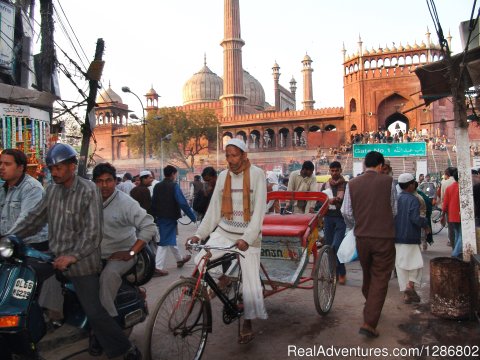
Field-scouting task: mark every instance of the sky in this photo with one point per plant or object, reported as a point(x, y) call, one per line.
point(161, 43)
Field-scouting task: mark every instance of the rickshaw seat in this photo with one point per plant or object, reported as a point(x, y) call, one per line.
point(283, 230)
point(293, 219)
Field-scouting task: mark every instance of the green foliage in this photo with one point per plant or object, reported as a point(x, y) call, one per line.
point(189, 132)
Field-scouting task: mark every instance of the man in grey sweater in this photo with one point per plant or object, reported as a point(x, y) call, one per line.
point(126, 229)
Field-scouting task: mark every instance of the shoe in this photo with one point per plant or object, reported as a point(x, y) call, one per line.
point(342, 279)
point(368, 331)
point(183, 261)
point(133, 354)
point(159, 272)
point(410, 296)
point(94, 347)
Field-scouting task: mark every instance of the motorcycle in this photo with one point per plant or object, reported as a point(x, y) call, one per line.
point(22, 324)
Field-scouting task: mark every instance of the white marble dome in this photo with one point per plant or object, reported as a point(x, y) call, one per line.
point(109, 96)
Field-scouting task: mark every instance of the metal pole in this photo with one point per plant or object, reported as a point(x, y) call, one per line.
point(161, 158)
point(127, 89)
point(218, 145)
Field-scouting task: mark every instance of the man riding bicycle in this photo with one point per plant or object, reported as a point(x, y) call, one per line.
point(235, 215)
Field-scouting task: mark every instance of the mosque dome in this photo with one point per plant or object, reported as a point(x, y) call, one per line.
point(108, 96)
point(203, 86)
point(254, 92)
point(206, 86)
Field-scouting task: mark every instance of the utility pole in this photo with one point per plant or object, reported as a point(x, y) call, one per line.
point(47, 47)
point(94, 75)
point(456, 79)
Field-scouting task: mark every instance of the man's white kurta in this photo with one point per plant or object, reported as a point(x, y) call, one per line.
point(229, 231)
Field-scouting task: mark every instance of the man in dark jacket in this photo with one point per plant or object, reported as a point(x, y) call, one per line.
point(167, 201)
point(370, 204)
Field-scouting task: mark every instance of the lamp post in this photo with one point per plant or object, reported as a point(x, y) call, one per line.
point(126, 89)
point(166, 137)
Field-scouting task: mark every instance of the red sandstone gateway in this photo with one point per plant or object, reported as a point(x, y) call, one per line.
point(292, 256)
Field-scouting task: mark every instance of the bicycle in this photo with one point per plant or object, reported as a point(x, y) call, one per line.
point(437, 225)
point(180, 323)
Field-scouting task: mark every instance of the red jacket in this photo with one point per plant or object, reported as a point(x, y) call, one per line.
point(451, 203)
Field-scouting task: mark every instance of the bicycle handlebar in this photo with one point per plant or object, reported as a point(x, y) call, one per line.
point(197, 247)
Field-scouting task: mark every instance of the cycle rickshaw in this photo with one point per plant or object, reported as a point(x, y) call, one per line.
point(292, 256)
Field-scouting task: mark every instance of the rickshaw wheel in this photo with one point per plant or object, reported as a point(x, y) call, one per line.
point(324, 280)
point(179, 325)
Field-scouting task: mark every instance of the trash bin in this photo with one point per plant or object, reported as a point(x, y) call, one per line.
point(450, 288)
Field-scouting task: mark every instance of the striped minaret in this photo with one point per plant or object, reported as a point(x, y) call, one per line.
point(233, 98)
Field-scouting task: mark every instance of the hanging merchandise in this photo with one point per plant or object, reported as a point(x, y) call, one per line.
point(42, 139)
point(4, 133)
point(32, 134)
point(14, 132)
point(20, 130)
point(8, 140)
point(37, 137)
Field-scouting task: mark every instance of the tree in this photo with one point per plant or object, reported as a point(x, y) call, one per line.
point(190, 132)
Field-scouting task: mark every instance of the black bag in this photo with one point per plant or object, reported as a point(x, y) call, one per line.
point(200, 202)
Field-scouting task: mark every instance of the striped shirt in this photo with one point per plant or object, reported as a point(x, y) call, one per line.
point(74, 216)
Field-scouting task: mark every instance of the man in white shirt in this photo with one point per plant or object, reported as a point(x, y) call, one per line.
point(235, 215)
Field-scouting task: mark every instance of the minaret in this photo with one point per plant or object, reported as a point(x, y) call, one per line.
point(449, 41)
point(233, 98)
point(152, 100)
point(307, 83)
point(276, 86)
point(293, 90)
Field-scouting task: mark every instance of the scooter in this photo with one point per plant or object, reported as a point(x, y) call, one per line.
point(22, 324)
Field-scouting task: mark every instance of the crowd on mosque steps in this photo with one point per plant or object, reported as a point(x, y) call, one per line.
point(395, 218)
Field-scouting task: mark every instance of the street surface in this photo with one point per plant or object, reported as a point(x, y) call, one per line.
point(294, 330)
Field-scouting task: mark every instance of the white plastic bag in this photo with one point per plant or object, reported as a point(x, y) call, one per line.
point(347, 252)
point(329, 193)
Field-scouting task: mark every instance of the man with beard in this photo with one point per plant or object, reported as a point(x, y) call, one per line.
point(235, 216)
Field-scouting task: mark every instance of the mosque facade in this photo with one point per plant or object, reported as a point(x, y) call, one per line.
point(381, 92)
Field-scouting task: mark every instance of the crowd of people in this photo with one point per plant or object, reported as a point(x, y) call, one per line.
point(91, 221)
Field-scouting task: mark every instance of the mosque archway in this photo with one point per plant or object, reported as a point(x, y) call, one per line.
point(227, 136)
point(241, 135)
point(254, 139)
point(299, 137)
point(330, 127)
point(314, 128)
point(283, 135)
point(397, 122)
point(268, 138)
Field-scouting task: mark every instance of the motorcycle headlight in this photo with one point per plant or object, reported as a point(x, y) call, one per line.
point(6, 247)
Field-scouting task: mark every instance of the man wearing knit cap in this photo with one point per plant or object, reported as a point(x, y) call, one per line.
point(235, 215)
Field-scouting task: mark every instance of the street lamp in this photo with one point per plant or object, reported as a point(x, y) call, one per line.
point(166, 137)
point(126, 89)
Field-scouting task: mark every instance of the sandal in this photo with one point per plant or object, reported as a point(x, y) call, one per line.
point(246, 337)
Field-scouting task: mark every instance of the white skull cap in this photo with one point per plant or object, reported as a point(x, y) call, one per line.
point(238, 143)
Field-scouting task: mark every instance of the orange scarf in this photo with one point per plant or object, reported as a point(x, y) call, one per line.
point(227, 205)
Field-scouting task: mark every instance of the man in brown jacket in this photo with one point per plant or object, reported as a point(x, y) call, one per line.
point(370, 207)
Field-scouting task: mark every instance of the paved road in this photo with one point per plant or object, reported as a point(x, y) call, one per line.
point(294, 325)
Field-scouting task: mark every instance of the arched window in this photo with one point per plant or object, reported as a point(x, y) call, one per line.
point(401, 61)
point(346, 70)
point(366, 65)
point(416, 59)
point(355, 67)
point(380, 63)
point(394, 61)
point(353, 106)
point(374, 64)
point(408, 60)
point(387, 62)
point(423, 58)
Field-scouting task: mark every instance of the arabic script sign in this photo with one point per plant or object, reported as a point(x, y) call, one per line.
point(391, 150)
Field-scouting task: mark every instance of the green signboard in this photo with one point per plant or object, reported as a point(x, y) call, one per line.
point(391, 150)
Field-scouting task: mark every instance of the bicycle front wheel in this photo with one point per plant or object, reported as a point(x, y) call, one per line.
point(179, 325)
point(325, 279)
